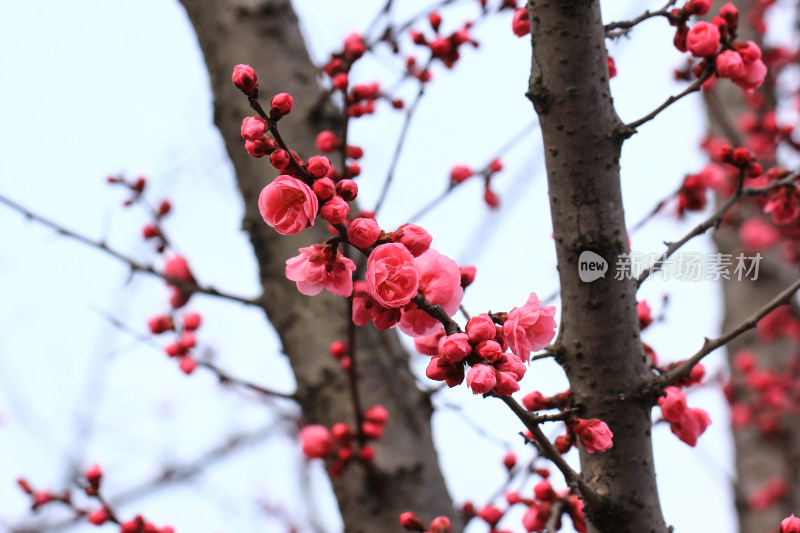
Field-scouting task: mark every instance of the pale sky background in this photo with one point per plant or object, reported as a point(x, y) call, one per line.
point(100, 87)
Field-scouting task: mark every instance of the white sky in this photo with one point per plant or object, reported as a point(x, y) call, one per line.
point(94, 88)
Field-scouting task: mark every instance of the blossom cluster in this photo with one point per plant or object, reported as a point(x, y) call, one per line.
point(342, 444)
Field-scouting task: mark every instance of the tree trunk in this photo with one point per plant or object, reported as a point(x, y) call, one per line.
point(598, 343)
point(406, 475)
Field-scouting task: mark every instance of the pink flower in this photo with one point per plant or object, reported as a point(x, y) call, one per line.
point(176, 267)
point(318, 166)
point(685, 422)
point(323, 188)
point(790, 524)
point(392, 278)
point(413, 237)
point(509, 362)
point(429, 344)
point(783, 205)
point(335, 210)
point(520, 24)
point(440, 282)
point(703, 39)
point(327, 141)
point(530, 327)
point(697, 7)
point(253, 128)
point(281, 105)
point(489, 350)
point(257, 148)
point(506, 384)
point(279, 159)
point(535, 518)
point(491, 515)
point(288, 205)
point(481, 379)
point(481, 328)
point(754, 75)
point(455, 348)
point(317, 441)
point(645, 314)
point(460, 173)
point(730, 64)
point(673, 404)
point(363, 232)
point(321, 267)
point(593, 434)
point(467, 275)
point(411, 522)
point(612, 67)
point(693, 424)
point(757, 234)
point(245, 79)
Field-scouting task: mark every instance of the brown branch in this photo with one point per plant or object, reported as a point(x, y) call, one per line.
point(549, 451)
point(135, 266)
point(714, 220)
point(224, 376)
point(709, 345)
point(694, 87)
point(400, 143)
point(169, 475)
point(617, 29)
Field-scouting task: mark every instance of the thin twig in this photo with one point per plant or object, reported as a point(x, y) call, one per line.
point(694, 87)
point(400, 143)
point(714, 220)
point(617, 29)
point(185, 286)
point(549, 451)
point(709, 345)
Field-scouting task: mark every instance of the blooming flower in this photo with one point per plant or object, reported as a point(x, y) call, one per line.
point(288, 205)
point(790, 524)
point(317, 441)
point(392, 278)
point(321, 267)
point(594, 434)
point(530, 327)
point(439, 280)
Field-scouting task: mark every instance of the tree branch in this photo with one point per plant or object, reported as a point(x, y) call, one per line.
point(135, 266)
point(709, 345)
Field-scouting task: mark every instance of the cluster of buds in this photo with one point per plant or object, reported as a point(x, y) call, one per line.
point(543, 505)
point(692, 195)
point(460, 173)
point(483, 347)
point(411, 522)
point(715, 43)
point(341, 444)
point(766, 397)
point(445, 49)
point(763, 134)
point(338, 66)
point(152, 230)
point(327, 142)
point(185, 337)
point(178, 274)
point(92, 479)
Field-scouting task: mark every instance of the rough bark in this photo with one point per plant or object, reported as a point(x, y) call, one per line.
point(757, 457)
point(406, 475)
point(598, 342)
